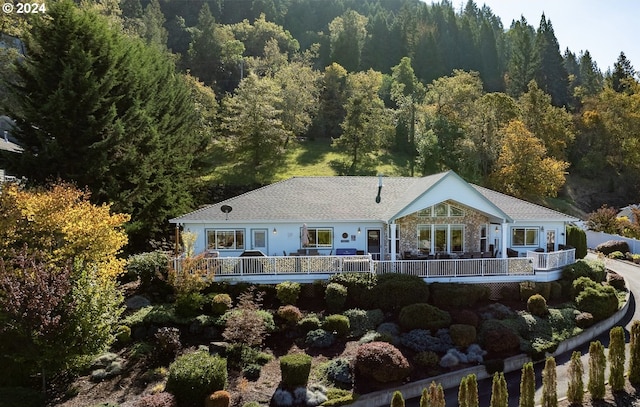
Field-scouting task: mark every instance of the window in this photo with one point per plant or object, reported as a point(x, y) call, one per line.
point(397, 239)
point(524, 236)
point(441, 210)
point(225, 239)
point(320, 237)
point(457, 238)
point(424, 237)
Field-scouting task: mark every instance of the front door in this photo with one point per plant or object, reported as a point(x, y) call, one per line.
point(373, 243)
point(259, 240)
point(551, 241)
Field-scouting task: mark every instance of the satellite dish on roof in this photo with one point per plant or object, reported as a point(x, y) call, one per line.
point(226, 209)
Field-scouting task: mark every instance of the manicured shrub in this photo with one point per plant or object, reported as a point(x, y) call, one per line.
point(580, 283)
point(319, 338)
point(594, 269)
point(220, 303)
point(195, 375)
point(397, 400)
point(420, 340)
point(162, 399)
point(426, 359)
point(361, 321)
point(601, 302)
point(123, 334)
point(537, 305)
point(288, 292)
point(549, 383)
point(499, 394)
point(252, 371)
point(617, 255)
point(289, 313)
point(335, 296)
point(555, 290)
point(395, 291)
point(295, 369)
point(436, 395)
point(500, 340)
point(634, 353)
point(381, 362)
point(616, 358)
point(597, 365)
point(423, 316)
point(337, 324)
point(189, 304)
point(575, 389)
point(462, 335)
point(358, 286)
point(150, 268)
point(527, 386)
point(220, 398)
point(577, 238)
point(309, 323)
point(466, 317)
point(339, 371)
point(447, 295)
point(611, 246)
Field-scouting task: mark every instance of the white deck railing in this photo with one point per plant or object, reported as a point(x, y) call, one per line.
point(458, 267)
point(552, 260)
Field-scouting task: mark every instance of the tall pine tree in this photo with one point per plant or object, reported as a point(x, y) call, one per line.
point(551, 74)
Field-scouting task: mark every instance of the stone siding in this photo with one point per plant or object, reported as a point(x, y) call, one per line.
point(472, 221)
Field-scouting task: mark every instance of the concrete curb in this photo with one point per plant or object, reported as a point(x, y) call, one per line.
point(450, 380)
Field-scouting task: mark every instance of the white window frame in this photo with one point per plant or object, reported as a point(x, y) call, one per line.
point(535, 231)
point(313, 233)
point(219, 234)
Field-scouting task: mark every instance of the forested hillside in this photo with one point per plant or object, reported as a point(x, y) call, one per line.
point(142, 99)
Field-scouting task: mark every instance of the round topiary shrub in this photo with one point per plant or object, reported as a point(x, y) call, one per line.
point(594, 269)
point(466, 317)
point(289, 313)
point(335, 296)
point(501, 340)
point(220, 398)
point(309, 323)
point(339, 371)
point(295, 369)
point(195, 375)
point(123, 334)
point(361, 321)
point(189, 304)
point(337, 324)
point(423, 316)
point(288, 292)
point(580, 284)
point(457, 295)
point(381, 362)
point(252, 371)
point(319, 338)
point(462, 335)
point(537, 305)
point(220, 303)
point(395, 291)
point(426, 359)
point(601, 301)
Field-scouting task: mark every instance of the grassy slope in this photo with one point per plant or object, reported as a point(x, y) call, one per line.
point(318, 158)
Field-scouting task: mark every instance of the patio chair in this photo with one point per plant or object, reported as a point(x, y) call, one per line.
point(512, 253)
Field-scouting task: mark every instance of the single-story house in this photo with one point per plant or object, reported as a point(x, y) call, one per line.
point(390, 218)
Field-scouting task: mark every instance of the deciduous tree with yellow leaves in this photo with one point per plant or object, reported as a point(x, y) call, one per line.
point(56, 244)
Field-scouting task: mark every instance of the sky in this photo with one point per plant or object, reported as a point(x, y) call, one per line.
point(604, 27)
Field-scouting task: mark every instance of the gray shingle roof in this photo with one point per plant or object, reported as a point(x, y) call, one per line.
point(349, 198)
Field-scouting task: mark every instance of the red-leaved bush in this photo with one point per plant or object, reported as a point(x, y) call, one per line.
point(382, 362)
point(163, 399)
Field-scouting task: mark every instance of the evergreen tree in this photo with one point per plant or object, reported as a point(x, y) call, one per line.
point(436, 395)
point(591, 80)
point(424, 398)
point(549, 384)
point(616, 358)
point(472, 391)
point(575, 390)
point(550, 73)
point(527, 386)
point(523, 62)
point(597, 365)
point(154, 20)
point(105, 111)
point(463, 395)
point(499, 395)
point(634, 358)
point(348, 33)
point(623, 76)
point(333, 97)
point(397, 400)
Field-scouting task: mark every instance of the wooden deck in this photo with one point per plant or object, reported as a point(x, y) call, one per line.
point(273, 269)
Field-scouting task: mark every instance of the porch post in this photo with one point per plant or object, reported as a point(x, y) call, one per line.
point(504, 240)
point(392, 235)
